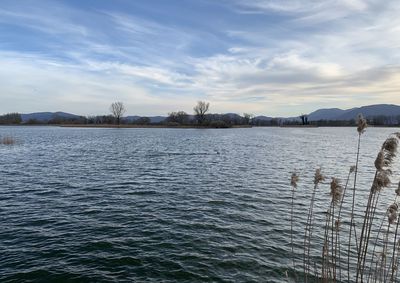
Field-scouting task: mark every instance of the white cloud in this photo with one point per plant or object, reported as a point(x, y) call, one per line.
point(304, 7)
point(46, 86)
point(43, 20)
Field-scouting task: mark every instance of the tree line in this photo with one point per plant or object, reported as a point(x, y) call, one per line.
point(199, 118)
point(10, 118)
point(202, 118)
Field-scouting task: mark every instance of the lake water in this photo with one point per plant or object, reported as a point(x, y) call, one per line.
point(164, 205)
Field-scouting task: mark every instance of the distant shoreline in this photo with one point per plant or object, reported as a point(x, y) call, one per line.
point(300, 126)
point(147, 126)
point(155, 126)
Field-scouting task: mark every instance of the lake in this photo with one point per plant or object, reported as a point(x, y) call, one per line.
point(165, 205)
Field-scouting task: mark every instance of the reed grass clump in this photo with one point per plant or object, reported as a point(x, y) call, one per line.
point(360, 243)
point(7, 141)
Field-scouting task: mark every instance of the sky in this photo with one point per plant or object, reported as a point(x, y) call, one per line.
point(265, 57)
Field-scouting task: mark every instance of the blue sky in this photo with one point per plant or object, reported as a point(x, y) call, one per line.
point(268, 57)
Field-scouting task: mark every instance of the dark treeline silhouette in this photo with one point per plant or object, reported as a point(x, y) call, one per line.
point(274, 122)
point(181, 118)
point(98, 120)
point(304, 119)
point(89, 120)
point(199, 118)
point(58, 120)
point(10, 118)
point(388, 121)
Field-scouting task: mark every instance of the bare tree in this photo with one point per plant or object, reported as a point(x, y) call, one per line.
point(180, 117)
point(247, 118)
point(117, 109)
point(304, 119)
point(200, 111)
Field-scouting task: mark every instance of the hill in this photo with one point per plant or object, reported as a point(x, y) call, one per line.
point(330, 114)
point(369, 111)
point(46, 116)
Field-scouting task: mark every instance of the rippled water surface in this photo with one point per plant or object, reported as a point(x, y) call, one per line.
point(162, 205)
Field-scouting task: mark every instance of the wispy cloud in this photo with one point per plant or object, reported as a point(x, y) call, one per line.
point(304, 8)
point(50, 22)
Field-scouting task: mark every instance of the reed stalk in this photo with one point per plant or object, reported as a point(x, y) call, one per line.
point(381, 180)
point(360, 240)
point(339, 220)
point(293, 182)
point(325, 247)
point(393, 264)
point(361, 125)
point(376, 241)
point(318, 177)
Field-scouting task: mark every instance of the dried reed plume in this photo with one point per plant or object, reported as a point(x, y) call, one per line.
point(318, 177)
point(383, 164)
point(361, 124)
point(7, 141)
point(373, 252)
point(293, 180)
point(392, 213)
point(336, 191)
point(331, 227)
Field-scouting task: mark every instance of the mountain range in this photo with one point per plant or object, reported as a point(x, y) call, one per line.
point(366, 111)
point(46, 116)
point(320, 114)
